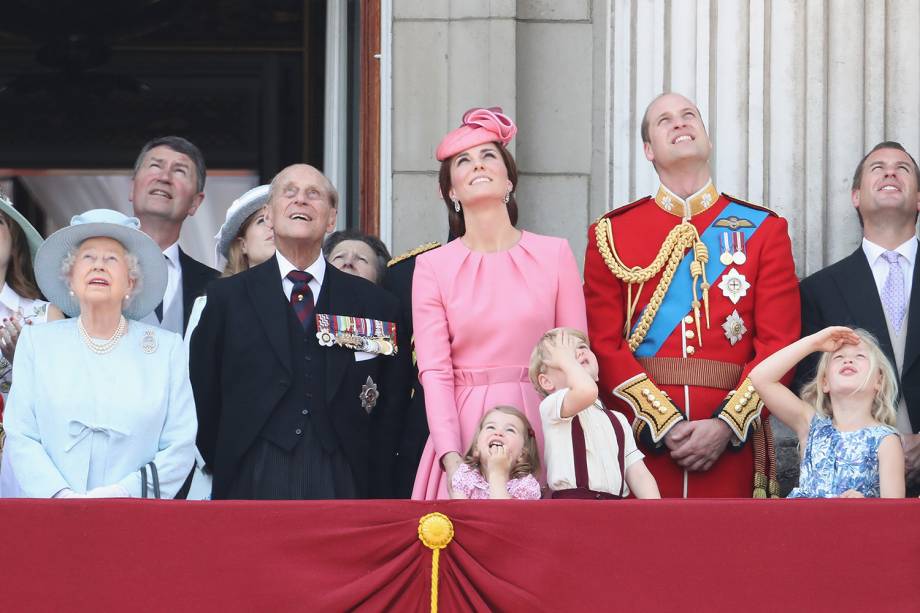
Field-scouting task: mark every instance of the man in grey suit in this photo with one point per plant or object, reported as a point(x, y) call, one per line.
point(877, 287)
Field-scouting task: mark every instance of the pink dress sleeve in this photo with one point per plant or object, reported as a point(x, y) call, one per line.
point(432, 350)
point(570, 299)
point(524, 488)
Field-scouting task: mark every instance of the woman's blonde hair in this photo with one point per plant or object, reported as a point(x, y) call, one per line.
point(885, 399)
point(237, 260)
point(527, 464)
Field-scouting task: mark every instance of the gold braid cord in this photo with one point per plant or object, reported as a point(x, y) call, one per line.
point(771, 459)
point(766, 485)
point(741, 409)
point(760, 463)
point(650, 405)
point(681, 238)
point(436, 531)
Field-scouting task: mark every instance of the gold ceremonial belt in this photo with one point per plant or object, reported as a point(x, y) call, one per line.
point(695, 371)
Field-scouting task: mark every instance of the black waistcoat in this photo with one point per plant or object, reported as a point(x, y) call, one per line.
point(284, 427)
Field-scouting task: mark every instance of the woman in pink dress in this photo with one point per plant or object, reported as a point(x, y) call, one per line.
point(481, 302)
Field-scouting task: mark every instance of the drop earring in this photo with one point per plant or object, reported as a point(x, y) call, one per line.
point(456, 204)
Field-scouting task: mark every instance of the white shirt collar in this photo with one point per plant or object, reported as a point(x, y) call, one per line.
point(317, 268)
point(907, 249)
point(10, 299)
point(172, 254)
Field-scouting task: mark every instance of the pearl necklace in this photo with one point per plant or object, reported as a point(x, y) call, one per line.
point(108, 345)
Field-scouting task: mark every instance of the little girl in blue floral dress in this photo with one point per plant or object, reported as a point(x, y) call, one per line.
point(845, 418)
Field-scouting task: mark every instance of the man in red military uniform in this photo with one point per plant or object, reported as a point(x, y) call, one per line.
point(686, 291)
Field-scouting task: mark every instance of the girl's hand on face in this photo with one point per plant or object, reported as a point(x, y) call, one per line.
point(833, 338)
point(496, 462)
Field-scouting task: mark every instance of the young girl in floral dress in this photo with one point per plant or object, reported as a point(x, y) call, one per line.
point(845, 418)
point(501, 460)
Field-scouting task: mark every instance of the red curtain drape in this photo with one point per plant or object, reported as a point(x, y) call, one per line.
point(712, 555)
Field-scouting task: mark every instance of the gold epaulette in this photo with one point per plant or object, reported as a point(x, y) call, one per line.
point(413, 252)
point(741, 408)
point(620, 209)
point(759, 207)
point(650, 405)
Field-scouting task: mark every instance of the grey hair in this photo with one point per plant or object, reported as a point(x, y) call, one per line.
point(133, 264)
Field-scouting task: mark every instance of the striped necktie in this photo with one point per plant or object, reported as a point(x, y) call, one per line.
point(301, 296)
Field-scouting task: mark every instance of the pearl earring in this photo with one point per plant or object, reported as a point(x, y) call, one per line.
point(70, 292)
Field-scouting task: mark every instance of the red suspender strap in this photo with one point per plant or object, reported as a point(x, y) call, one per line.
point(579, 453)
point(621, 453)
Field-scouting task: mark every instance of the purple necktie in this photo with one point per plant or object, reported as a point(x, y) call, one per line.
point(301, 296)
point(893, 291)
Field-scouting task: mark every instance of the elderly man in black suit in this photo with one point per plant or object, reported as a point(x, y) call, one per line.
point(293, 364)
point(877, 287)
point(166, 189)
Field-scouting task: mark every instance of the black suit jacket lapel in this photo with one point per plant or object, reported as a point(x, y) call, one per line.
point(335, 302)
point(912, 346)
point(857, 287)
point(264, 288)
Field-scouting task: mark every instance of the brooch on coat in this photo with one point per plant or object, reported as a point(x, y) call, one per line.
point(357, 333)
point(734, 286)
point(734, 327)
point(369, 395)
point(149, 342)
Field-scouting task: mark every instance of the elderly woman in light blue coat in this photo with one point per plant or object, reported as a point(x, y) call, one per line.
point(98, 397)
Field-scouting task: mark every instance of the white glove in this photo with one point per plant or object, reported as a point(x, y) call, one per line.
point(68, 493)
point(108, 491)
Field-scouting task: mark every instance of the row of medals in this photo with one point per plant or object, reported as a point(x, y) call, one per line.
point(381, 345)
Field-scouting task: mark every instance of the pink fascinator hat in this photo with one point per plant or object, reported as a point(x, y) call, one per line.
point(478, 126)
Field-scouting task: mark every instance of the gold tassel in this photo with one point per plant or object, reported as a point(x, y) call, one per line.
point(436, 531)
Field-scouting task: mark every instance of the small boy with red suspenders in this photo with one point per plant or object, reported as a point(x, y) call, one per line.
point(590, 451)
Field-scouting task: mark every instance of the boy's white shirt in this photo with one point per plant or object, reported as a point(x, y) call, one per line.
point(600, 446)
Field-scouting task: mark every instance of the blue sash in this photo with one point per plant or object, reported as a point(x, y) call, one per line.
point(677, 301)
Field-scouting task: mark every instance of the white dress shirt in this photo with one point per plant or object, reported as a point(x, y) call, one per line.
point(879, 265)
point(600, 447)
point(317, 269)
point(172, 297)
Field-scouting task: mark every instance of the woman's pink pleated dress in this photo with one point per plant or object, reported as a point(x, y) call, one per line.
point(477, 317)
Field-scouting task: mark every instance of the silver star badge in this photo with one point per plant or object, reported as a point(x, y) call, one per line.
point(734, 327)
point(667, 203)
point(369, 395)
point(734, 286)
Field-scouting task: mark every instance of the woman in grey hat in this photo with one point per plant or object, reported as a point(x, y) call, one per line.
point(20, 301)
point(99, 397)
point(242, 242)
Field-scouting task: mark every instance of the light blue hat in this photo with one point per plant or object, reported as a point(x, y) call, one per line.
point(109, 224)
point(33, 236)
